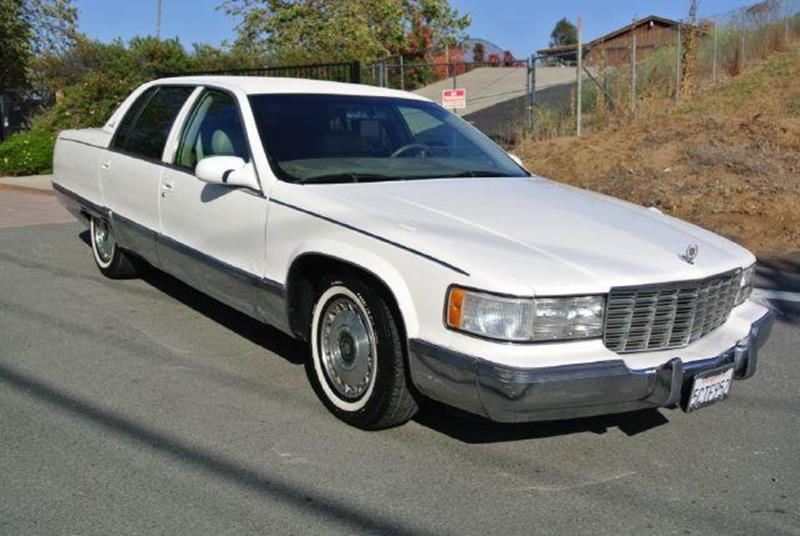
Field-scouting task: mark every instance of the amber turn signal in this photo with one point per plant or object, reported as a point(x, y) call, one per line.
point(455, 305)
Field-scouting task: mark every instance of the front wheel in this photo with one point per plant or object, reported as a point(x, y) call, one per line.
point(357, 359)
point(112, 261)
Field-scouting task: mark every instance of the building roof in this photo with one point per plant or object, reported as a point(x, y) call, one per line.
point(567, 49)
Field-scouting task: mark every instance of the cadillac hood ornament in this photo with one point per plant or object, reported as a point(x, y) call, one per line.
point(690, 254)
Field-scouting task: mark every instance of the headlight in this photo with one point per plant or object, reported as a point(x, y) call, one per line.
point(525, 319)
point(746, 286)
point(568, 318)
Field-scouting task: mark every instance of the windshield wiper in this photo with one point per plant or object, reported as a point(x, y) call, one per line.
point(347, 177)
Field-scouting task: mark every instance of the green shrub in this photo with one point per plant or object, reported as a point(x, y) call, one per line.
point(27, 154)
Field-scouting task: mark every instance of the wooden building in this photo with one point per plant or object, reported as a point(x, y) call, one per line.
point(615, 48)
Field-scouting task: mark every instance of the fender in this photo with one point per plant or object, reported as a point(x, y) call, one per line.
point(368, 261)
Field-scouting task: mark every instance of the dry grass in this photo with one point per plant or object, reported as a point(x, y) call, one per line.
point(729, 161)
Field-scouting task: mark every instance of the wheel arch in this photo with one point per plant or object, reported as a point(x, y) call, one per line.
point(309, 267)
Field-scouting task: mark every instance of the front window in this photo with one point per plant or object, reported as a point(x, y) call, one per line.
point(214, 129)
point(341, 138)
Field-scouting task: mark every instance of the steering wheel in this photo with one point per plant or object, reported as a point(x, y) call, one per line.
point(423, 149)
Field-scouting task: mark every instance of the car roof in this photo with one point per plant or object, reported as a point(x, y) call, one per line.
point(257, 85)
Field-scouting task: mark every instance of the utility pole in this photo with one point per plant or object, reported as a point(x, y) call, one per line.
point(158, 19)
point(579, 74)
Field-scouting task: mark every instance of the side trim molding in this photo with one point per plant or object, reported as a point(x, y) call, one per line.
point(267, 284)
point(372, 235)
point(273, 287)
point(87, 205)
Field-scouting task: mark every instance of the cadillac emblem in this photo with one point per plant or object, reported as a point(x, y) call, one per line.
point(690, 254)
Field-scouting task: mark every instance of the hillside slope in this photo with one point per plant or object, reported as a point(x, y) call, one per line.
point(729, 161)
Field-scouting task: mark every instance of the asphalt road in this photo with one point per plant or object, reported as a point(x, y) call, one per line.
point(143, 407)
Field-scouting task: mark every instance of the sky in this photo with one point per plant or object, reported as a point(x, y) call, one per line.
point(521, 26)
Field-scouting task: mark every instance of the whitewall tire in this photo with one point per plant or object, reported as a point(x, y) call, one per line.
point(112, 260)
point(357, 363)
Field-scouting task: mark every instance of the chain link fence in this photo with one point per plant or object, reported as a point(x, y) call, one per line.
point(715, 48)
point(635, 77)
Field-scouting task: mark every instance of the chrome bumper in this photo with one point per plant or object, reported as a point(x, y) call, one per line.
point(507, 394)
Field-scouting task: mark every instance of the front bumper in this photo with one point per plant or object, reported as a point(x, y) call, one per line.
point(510, 394)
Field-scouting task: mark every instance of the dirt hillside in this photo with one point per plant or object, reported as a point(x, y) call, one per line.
point(728, 161)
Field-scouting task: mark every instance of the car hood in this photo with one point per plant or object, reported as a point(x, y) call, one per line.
point(529, 235)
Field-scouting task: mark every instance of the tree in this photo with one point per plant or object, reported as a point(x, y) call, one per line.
point(30, 29)
point(54, 24)
point(15, 44)
point(564, 33)
point(478, 52)
point(309, 31)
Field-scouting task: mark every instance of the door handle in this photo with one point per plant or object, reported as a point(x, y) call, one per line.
point(166, 187)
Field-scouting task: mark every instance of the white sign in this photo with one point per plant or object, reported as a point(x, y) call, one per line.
point(454, 98)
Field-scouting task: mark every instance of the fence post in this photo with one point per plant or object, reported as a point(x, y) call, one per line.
point(678, 67)
point(788, 11)
point(633, 71)
point(579, 74)
point(714, 62)
point(355, 72)
point(743, 42)
point(402, 74)
point(455, 82)
point(531, 89)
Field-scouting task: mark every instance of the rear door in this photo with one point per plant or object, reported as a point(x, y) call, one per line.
point(213, 235)
point(132, 167)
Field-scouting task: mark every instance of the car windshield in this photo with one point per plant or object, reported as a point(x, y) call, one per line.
point(343, 138)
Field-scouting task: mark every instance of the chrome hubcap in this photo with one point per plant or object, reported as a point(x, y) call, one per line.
point(347, 348)
point(103, 241)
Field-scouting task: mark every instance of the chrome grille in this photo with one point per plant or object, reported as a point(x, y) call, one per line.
point(670, 315)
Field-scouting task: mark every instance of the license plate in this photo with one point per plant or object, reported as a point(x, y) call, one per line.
point(709, 387)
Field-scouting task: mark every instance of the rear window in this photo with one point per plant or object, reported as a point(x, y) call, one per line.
point(144, 129)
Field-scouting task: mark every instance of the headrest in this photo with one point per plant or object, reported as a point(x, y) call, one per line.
point(221, 144)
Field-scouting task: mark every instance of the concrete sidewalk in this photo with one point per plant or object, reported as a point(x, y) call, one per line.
point(36, 182)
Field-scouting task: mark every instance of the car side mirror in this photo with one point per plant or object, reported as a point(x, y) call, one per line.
point(228, 171)
point(517, 160)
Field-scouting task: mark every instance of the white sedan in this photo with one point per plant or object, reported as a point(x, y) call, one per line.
point(414, 255)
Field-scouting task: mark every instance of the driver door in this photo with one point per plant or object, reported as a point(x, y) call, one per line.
point(212, 236)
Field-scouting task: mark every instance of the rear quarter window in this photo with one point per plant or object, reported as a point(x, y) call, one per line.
point(144, 129)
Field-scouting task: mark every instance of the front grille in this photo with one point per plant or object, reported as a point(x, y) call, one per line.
point(670, 315)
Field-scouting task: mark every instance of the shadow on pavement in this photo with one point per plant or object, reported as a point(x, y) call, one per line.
point(473, 429)
point(257, 332)
point(296, 496)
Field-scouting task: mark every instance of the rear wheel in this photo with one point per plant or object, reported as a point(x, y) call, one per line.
point(112, 261)
point(357, 357)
